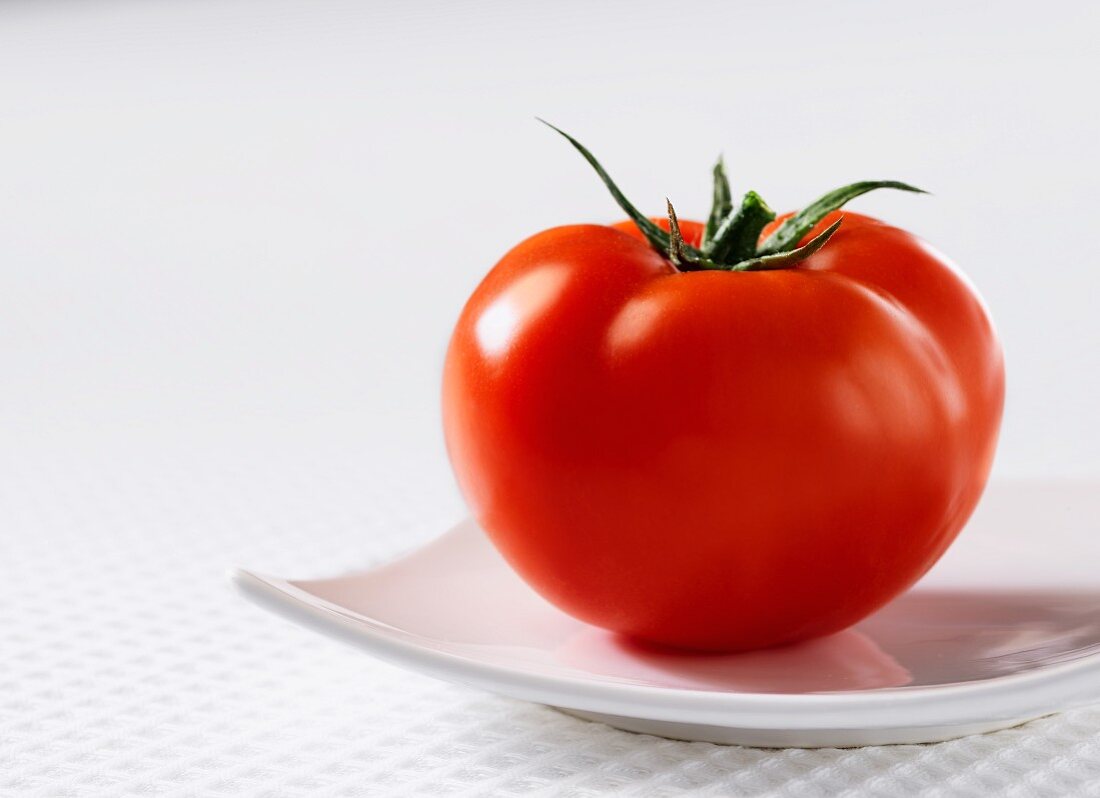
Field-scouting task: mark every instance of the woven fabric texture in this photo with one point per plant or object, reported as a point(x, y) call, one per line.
point(128, 665)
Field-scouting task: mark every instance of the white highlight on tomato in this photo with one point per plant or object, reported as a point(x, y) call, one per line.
point(527, 297)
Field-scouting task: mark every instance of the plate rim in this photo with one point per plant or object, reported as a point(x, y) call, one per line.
point(1030, 693)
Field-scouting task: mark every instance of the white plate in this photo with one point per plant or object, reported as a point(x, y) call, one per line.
point(1005, 629)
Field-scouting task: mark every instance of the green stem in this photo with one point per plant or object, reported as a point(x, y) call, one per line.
point(736, 237)
point(731, 237)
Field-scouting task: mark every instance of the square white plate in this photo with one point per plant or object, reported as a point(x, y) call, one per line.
point(1005, 629)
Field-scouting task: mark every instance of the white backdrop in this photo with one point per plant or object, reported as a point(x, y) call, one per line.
point(236, 219)
point(234, 236)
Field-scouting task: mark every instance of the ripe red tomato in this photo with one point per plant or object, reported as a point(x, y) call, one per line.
point(715, 459)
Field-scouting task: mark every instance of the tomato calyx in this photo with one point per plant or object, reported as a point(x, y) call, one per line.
point(731, 238)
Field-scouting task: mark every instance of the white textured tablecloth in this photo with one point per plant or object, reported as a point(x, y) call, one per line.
point(128, 665)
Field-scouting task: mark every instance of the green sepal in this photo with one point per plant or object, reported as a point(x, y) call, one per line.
point(737, 235)
point(721, 202)
point(657, 237)
point(787, 235)
point(784, 260)
point(676, 252)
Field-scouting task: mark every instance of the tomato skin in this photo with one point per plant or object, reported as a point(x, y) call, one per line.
point(722, 460)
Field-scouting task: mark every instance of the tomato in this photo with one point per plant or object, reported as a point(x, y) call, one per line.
point(718, 459)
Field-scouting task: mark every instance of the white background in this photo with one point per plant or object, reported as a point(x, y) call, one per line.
point(238, 220)
point(234, 237)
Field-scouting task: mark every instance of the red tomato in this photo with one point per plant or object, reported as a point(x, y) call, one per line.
point(722, 460)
